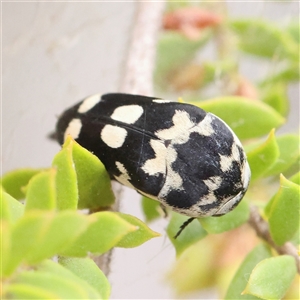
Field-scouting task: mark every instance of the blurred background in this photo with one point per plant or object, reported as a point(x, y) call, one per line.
point(56, 53)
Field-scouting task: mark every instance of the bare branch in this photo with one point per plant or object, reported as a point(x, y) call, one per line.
point(141, 57)
point(262, 230)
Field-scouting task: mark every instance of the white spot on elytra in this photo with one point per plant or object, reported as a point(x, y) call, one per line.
point(213, 182)
point(246, 175)
point(180, 132)
point(161, 101)
point(89, 103)
point(184, 126)
point(73, 129)
point(235, 152)
point(124, 177)
point(173, 179)
point(156, 165)
point(207, 199)
point(128, 113)
point(204, 127)
point(113, 136)
point(226, 161)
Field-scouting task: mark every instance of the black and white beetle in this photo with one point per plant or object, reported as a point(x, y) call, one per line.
point(176, 153)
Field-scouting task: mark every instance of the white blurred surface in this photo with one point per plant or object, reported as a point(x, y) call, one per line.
point(53, 55)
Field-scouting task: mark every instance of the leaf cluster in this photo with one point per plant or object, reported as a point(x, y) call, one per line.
point(254, 111)
point(48, 224)
point(48, 240)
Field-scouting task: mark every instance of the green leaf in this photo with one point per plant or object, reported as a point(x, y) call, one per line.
point(289, 146)
point(253, 34)
point(276, 97)
point(151, 209)
point(283, 212)
point(294, 30)
point(288, 74)
point(242, 275)
point(219, 68)
point(105, 230)
point(231, 220)
point(295, 178)
point(25, 291)
point(190, 235)
point(10, 208)
point(173, 52)
point(138, 237)
point(263, 157)
point(66, 179)
point(23, 235)
point(59, 232)
point(93, 180)
point(52, 281)
point(272, 277)
point(67, 270)
point(14, 182)
point(41, 192)
point(194, 268)
point(88, 271)
point(42, 234)
point(238, 113)
point(5, 246)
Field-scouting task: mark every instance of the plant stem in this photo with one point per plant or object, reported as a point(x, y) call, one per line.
point(138, 73)
point(261, 228)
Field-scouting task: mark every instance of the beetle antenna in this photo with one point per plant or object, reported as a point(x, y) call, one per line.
point(185, 224)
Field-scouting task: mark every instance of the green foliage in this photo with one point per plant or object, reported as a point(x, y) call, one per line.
point(253, 34)
point(88, 271)
point(241, 277)
point(270, 271)
point(50, 280)
point(174, 51)
point(239, 114)
point(49, 224)
point(15, 181)
point(254, 111)
point(283, 211)
point(151, 209)
point(209, 251)
point(232, 220)
point(190, 235)
point(263, 156)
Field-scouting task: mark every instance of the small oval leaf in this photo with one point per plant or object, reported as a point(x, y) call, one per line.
point(41, 191)
point(61, 287)
point(272, 277)
point(262, 157)
point(105, 231)
point(88, 271)
point(238, 113)
point(10, 208)
point(66, 179)
point(93, 180)
point(14, 181)
point(283, 212)
point(137, 237)
point(289, 145)
point(241, 276)
point(254, 33)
